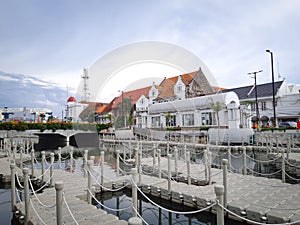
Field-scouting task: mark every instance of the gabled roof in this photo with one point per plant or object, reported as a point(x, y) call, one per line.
point(248, 92)
point(134, 95)
point(167, 85)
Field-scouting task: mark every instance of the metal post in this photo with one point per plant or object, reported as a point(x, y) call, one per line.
point(225, 170)
point(134, 192)
point(71, 160)
point(85, 158)
point(169, 174)
point(43, 165)
point(13, 187)
point(89, 197)
point(188, 167)
point(102, 167)
point(59, 157)
point(244, 161)
point(51, 168)
point(176, 161)
point(229, 158)
point(117, 162)
point(26, 193)
point(219, 191)
point(59, 186)
point(283, 167)
point(209, 168)
point(32, 162)
point(158, 162)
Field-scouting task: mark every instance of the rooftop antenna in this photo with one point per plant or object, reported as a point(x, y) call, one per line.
point(85, 78)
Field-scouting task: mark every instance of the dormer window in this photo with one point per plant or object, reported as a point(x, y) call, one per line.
point(179, 88)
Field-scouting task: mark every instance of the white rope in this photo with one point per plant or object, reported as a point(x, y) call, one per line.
point(18, 195)
point(19, 183)
point(291, 177)
point(294, 166)
point(251, 221)
point(44, 172)
point(140, 216)
point(263, 161)
point(39, 201)
point(36, 213)
point(70, 212)
point(236, 157)
point(115, 210)
point(263, 174)
point(168, 210)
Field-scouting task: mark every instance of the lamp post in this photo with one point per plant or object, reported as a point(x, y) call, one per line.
point(255, 86)
point(273, 87)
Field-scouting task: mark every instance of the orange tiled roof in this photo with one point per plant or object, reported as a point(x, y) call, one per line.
point(167, 85)
point(134, 95)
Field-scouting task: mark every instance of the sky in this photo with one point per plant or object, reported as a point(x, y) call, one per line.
point(55, 40)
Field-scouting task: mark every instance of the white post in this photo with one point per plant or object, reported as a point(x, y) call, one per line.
point(219, 191)
point(169, 174)
point(71, 160)
point(154, 156)
point(26, 193)
point(229, 157)
point(59, 186)
point(14, 152)
point(176, 161)
point(13, 187)
point(89, 197)
point(59, 157)
point(158, 162)
point(188, 167)
point(21, 158)
point(43, 165)
point(51, 168)
point(205, 156)
point(118, 162)
point(168, 147)
point(102, 167)
point(244, 161)
point(134, 192)
point(140, 166)
point(282, 167)
point(85, 157)
point(32, 162)
point(135, 221)
point(184, 153)
point(209, 168)
point(225, 170)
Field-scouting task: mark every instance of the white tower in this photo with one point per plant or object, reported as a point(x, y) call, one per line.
point(85, 92)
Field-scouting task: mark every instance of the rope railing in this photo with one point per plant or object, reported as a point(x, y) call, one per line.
point(172, 211)
point(114, 210)
point(290, 177)
point(39, 201)
point(252, 221)
point(36, 213)
point(18, 195)
point(288, 163)
point(69, 210)
point(262, 174)
point(263, 161)
point(140, 216)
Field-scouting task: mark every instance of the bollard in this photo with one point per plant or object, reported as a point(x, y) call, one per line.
point(282, 167)
point(102, 167)
point(176, 161)
point(43, 165)
point(154, 156)
point(26, 193)
point(205, 157)
point(184, 153)
point(135, 221)
point(71, 160)
point(89, 197)
point(117, 162)
point(229, 157)
point(134, 192)
point(244, 161)
point(51, 168)
point(158, 162)
point(32, 162)
point(169, 174)
point(59, 186)
point(188, 167)
point(85, 157)
point(219, 191)
point(13, 187)
point(225, 170)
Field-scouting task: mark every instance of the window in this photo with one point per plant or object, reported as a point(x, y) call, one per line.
point(188, 119)
point(208, 118)
point(142, 101)
point(253, 107)
point(179, 88)
point(171, 121)
point(155, 121)
point(263, 106)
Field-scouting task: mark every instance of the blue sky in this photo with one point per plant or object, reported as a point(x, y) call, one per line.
point(56, 39)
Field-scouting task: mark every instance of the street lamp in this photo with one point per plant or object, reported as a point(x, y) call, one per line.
point(273, 87)
point(255, 86)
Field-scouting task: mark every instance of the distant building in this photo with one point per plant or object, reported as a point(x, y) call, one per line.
point(25, 114)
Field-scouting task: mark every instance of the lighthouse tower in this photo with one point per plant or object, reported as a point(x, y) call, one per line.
point(85, 91)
